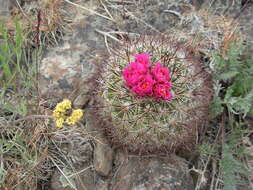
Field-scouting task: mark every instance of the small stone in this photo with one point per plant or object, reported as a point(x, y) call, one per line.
point(81, 100)
point(103, 155)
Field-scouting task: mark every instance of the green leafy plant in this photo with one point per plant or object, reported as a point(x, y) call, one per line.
point(224, 155)
point(231, 166)
point(235, 89)
point(223, 148)
point(230, 169)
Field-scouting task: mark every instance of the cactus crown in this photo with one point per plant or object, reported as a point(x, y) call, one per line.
point(146, 123)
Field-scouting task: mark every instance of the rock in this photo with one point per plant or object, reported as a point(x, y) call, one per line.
point(81, 100)
point(77, 155)
point(56, 184)
point(7, 7)
point(197, 3)
point(80, 152)
point(102, 184)
point(137, 173)
point(80, 181)
point(103, 155)
point(4, 6)
point(65, 72)
point(4, 9)
point(152, 16)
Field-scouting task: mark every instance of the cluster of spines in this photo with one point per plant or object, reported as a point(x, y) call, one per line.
point(146, 125)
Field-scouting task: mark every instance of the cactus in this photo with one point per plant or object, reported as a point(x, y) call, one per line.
point(146, 124)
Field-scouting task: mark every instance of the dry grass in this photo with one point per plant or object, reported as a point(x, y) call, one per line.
point(28, 138)
point(45, 21)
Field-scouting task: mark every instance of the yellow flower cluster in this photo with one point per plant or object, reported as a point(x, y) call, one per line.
point(74, 117)
point(60, 114)
point(61, 108)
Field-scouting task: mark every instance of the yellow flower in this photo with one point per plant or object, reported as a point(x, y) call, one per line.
point(59, 113)
point(74, 117)
point(60, 116)
point(61, 108)
point(59, 122)
point(56, 114)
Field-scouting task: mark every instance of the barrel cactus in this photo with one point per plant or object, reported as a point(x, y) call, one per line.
point(163, 110)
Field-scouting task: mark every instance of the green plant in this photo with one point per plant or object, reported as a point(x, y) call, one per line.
point(230, 164)
point(13, 69)
point(223, 149)
point(234, 73)
point(235, 87)
point(18, 66)
point(11, 50)
point(20, 152)
point(230, 167)
point(223, 157)
point(145, 124)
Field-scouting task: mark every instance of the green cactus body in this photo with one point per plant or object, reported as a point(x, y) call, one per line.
point(148, 124)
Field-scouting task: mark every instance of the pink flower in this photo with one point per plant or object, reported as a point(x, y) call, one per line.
point(140, 68)
point(162, 90)
point(160, 73)
point(145, 86)
point(142, 58)
point(131, 77)
point(145, 81)
point(133, 73)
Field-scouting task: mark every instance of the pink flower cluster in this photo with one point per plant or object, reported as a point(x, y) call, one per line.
point(146, 79)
